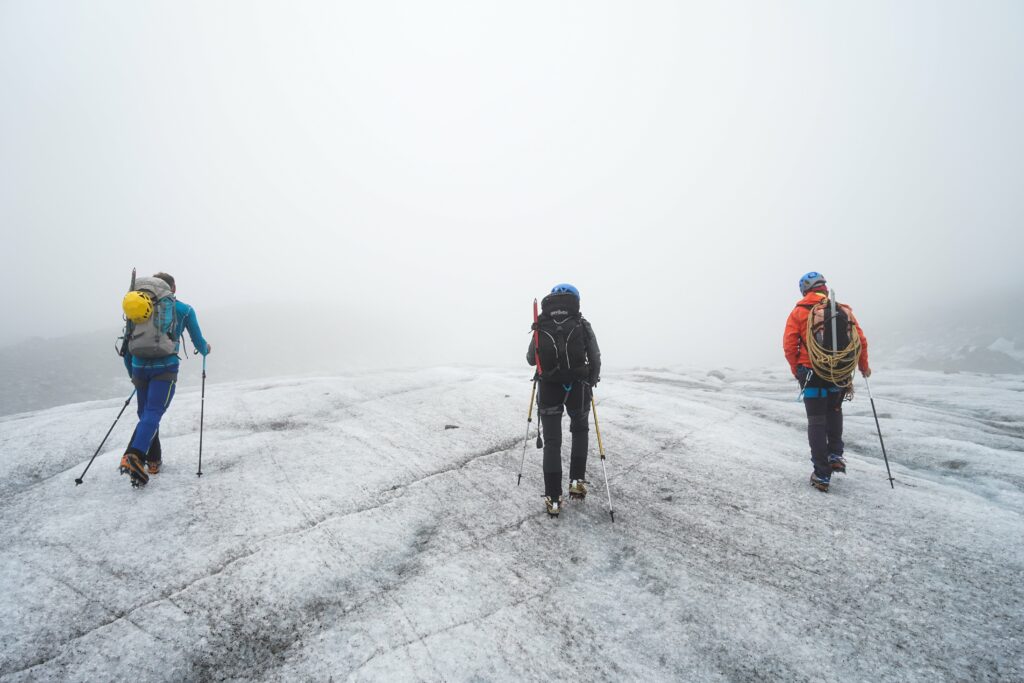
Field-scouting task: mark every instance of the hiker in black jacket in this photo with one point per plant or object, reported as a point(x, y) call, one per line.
point(569, 361)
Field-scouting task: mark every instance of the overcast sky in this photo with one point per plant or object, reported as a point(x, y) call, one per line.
point(443, 163)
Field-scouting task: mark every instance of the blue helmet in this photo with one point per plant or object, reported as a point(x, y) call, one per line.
point(810, 281)
point(565, 288)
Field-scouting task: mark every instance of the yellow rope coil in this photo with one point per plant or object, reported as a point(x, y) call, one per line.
point(837, 368)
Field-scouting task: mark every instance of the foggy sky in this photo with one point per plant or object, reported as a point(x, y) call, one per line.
point(436, 166)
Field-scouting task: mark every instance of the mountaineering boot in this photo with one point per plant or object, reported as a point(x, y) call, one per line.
point(153, 466)
point(819, 483)
point(837, 462)
point(123, 468)
point(137, 471)
point(554, 505)
point(577, 489)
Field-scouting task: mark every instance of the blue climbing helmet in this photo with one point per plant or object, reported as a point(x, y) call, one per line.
point(565, 288)
point(811, 280)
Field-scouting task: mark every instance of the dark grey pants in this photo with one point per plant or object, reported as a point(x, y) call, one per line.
point(552, 401)
point(824, 426)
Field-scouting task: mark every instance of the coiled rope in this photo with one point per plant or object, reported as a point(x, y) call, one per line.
point(837, 368)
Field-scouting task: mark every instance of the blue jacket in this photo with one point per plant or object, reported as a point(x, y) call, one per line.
point(185, 319)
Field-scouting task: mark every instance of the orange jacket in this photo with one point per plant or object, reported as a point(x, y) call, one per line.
point(793, 343)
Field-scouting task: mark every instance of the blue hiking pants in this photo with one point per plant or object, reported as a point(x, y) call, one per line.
point(155, 390)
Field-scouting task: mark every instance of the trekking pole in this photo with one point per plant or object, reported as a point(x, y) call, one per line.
point(875, 412)
point(600, 447)
point(127, 401)
point(526, 439)
point(202, 408)
point(540, 370)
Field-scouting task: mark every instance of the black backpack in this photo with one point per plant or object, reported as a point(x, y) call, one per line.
point(562, 339)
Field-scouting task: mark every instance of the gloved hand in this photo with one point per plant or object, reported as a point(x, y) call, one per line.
point(802, 374)
point(209, 347)
point(866, 373)
point(594, 379)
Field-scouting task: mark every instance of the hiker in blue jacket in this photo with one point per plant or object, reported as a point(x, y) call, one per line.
point(152, 363)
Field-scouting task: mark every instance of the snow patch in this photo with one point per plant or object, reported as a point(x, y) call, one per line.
point(340, 531)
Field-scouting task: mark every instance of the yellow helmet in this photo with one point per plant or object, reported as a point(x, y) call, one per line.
point(137, 307)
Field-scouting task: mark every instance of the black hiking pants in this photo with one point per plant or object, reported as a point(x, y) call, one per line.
point(552, 400)
point(824, 404)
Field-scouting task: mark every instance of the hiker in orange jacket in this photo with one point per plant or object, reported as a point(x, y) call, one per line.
point(823, 399)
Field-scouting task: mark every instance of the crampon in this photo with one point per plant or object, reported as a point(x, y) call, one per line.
point(577, 489)
point(134, 468)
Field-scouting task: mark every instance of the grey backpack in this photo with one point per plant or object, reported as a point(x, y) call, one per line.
point(156, 336)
